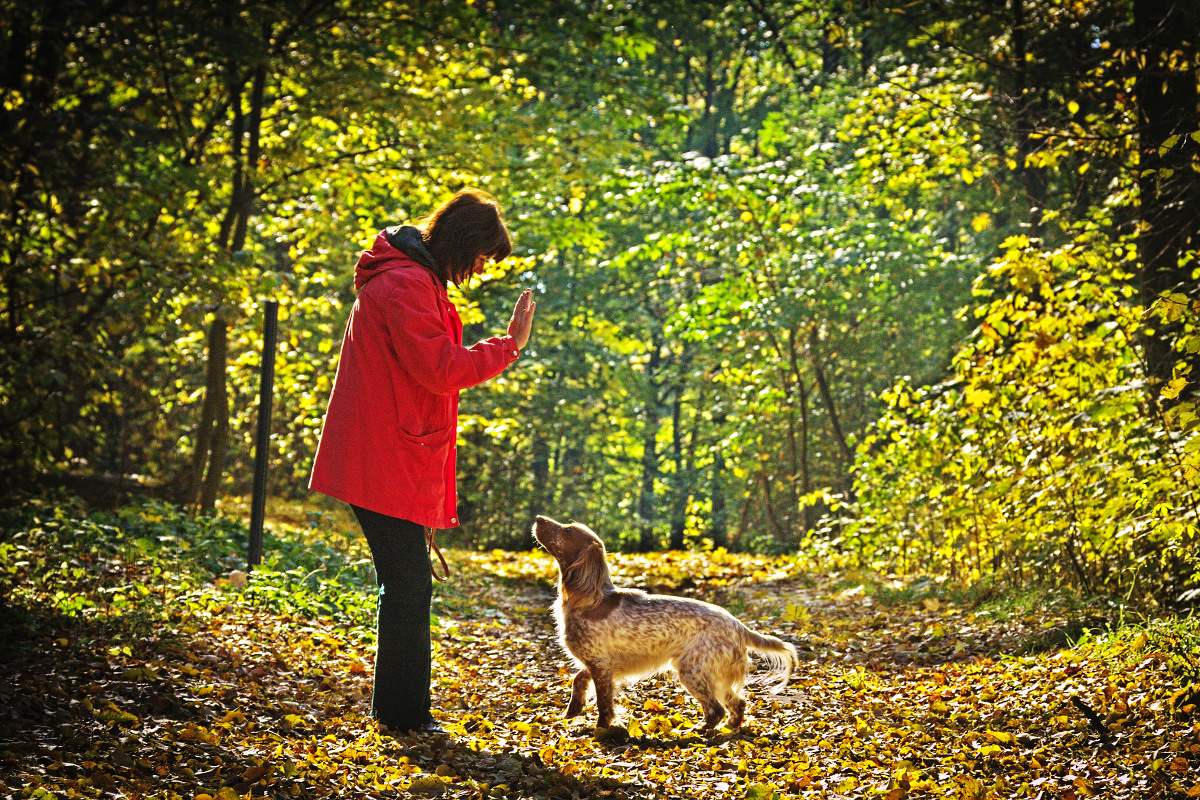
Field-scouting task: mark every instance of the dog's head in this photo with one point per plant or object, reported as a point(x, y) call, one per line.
point(583, 572)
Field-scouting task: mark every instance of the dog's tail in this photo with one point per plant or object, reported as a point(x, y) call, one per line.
point(779, 653)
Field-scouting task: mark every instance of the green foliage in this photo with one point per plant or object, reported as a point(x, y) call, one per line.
point(1039, 460)
point(186, 560)
point(753, 229)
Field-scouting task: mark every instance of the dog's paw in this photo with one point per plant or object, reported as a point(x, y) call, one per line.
point(572, 712)
point(613, 734)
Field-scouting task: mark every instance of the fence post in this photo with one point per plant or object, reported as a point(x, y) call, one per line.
point(262, 441)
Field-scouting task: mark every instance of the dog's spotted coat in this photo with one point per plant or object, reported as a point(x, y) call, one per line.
point(618, 635)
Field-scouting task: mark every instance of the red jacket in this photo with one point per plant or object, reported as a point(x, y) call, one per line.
point(388, 441)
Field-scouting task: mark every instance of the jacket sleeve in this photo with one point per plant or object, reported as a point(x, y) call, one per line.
point(428, 351)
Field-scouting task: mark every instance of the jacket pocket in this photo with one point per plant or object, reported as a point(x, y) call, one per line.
point(438, 439)
point(421, 465)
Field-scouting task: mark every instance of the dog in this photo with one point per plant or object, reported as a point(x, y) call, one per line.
point(618, 635)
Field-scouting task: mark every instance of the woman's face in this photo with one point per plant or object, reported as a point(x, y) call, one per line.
point(480, 263)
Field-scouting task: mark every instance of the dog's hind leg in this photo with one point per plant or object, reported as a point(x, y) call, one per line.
point(737, 708)
point(734, 678)
point(699, 684)
point(579, 687)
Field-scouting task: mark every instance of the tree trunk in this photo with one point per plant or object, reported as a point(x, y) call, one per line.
point(679, 482)
point(215, 407)
point(796, 396)
point(719, 528)
point(218, 356)
point(1168, 188)
point(835, 422)
point(646, 501)
point(1033, 177)
point(212, 440)
point(777, 530)
point(541, 476)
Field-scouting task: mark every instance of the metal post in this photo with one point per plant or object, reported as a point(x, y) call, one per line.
point(262, 441)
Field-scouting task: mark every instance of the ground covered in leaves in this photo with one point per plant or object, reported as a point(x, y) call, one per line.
point(138, 663)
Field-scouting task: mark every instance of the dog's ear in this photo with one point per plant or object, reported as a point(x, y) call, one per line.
point(588, 573)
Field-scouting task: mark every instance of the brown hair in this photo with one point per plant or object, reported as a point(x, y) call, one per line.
point(463, 228)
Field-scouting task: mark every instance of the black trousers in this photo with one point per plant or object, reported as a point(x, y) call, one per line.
point(400, 695)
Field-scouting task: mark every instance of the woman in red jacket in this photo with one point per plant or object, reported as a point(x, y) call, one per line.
point(387, 446)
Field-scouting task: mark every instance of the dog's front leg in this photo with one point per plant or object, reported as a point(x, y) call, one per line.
point(579, 687)
point(604, 696)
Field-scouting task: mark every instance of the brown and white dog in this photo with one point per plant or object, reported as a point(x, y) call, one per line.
point(618, 635)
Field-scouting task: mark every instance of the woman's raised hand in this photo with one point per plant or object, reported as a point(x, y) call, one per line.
point(522, 319)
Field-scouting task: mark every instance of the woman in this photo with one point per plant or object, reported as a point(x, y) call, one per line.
point(388, 441)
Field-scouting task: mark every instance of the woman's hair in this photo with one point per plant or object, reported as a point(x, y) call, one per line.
point(463, 228)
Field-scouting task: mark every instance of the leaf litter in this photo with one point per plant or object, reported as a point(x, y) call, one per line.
point(211, 693)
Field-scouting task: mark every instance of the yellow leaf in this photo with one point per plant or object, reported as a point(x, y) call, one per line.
point(1173, 306)
point(794, 612)
point(981, 222)
point(576, 205)
point(1000, 736)
point(747, 216)
point(1172, 389)
point(978, 397)
point(967, 176)
point(931, 604)
point(116, 715)
point(139, 674)
point(1073, 107)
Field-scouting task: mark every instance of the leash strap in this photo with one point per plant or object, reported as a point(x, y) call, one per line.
point(433, 548)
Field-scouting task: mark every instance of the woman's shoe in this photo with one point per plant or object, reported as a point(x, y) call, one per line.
point(430, 726)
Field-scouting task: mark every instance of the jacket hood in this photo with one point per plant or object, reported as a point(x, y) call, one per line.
point(393, 248)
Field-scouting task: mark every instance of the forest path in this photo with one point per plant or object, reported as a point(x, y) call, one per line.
point(215, 693)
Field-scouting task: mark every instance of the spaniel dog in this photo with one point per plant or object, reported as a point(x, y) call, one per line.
point(624, 634)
